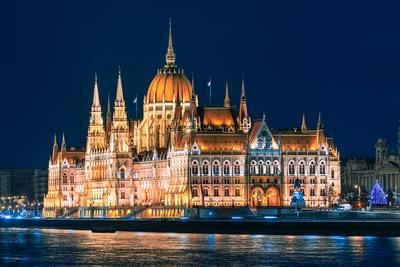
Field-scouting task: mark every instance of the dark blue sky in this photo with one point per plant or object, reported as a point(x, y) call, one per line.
point(340, 58)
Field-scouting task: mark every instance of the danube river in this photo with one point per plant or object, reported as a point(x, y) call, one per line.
point(66, 247)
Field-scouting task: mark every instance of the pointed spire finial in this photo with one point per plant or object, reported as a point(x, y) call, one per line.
point(193, 91)
point(227, 100)
point(55, 140)
point(243, 95)
point(108, 105)
point(264, 115)
point(63, 145)
point(120, 96)
point(96, 100)
point(319, 123)
point(303, 123)
point(170, 56)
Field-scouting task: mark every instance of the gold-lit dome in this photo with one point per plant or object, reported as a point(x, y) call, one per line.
point(170, 82)
point(167, 85)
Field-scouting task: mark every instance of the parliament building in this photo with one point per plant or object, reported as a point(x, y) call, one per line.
point(182, 154)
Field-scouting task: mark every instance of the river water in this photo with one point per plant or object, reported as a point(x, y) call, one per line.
point(45, 247)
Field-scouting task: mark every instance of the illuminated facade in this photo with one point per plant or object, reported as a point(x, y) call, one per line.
point(181, 154)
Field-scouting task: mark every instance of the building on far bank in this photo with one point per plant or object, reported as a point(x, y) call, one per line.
point(363, 172)
point(182, 154)
point(31, 183)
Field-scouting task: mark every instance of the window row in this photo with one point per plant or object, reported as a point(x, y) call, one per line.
point(301, 168)
point(216, 192)
point(215, 168)
point(266, 168)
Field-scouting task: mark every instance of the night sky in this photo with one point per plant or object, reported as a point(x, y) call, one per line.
point(342, 59)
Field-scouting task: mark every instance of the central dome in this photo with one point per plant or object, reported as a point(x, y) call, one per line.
point(169, 83)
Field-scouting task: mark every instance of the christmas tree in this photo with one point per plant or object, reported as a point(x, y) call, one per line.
point(378, 196)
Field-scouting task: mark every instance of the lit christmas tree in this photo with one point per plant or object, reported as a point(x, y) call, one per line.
point(378, 196)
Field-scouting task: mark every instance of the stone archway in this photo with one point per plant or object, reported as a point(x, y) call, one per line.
point(257, 197)
point(272, 196)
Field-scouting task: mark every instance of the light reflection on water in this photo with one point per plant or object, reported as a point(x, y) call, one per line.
point(66, 247)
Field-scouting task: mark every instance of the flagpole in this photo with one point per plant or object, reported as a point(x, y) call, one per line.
point(210, 90)
point(136, 106)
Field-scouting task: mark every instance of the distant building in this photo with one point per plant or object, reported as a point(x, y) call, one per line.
point(363, 172)
point(40, 178)
point(31, 183)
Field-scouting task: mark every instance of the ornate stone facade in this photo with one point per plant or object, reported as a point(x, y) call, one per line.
point(182, 154)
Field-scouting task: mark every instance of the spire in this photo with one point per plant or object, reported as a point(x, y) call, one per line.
point(170, 56)
point(303, 123)
point(119, 99)
point(193, 92)
point(108, 117)
point(108, 106)
point(96, 101)
point(226, 100)
point(63, 145)
point(55, 141)
point(243, 95)
point(55, 149)
point(319, 123)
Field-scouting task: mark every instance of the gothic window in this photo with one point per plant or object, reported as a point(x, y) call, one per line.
point(122, 195)
point(323, 192)
point(237, 192)
point(302, 168)
point(291, 168)
point(312, 192)
point(71, 180)
point(236, 168)
point(216, 192)
point(312, 168)
point(65, 181)
point(332, 173)
point(195, 168)
point(226, 192)
point(216, 168)
point(226, 168)
point(260, 167)
point(195, 193)
point(122, 173)
point(205, 168)
point(268, 167)
point(276, 167)
point(205, 190)
point(322, 168)
point(253, 167)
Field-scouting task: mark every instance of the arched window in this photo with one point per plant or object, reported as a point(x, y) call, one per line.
point(216, 168)
point(237, 192)
point(65, 181)
point(302, 168)
point(291, 168)
point(227, 170)
point(276, 167)
point(322, 168)
point(71, 180)
point(332, 173)
point(268, 167)
point(226, 192)
point(312, 168)
point(253, 167)
point(195, 192)
point(205, 168)
point(261, 167)
point(205, 191)
point(236, 168)
point(195, 168)
point(216, 192)
point(122, 173)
